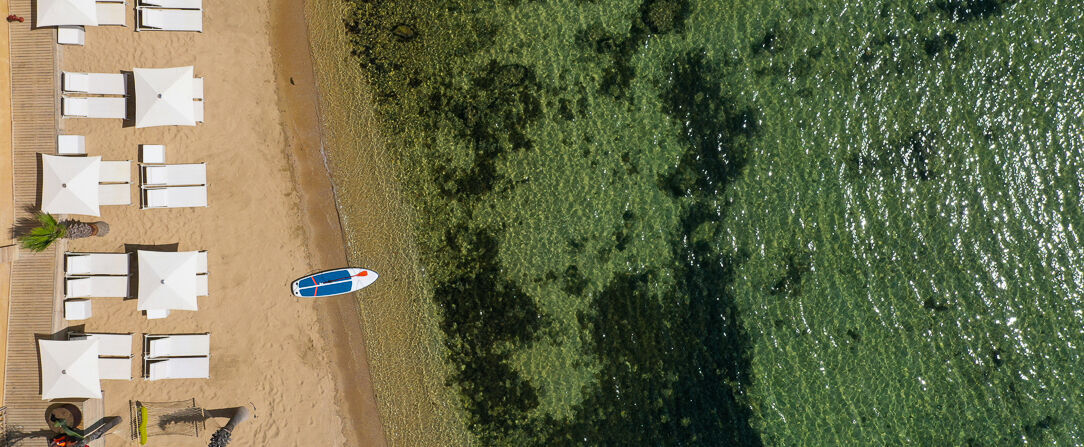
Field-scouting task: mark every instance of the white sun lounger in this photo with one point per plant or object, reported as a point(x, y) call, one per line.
point(71, 144)
point(178, 368)
point(174, 197)
point(113, 368)
point(201, 285)
point(115, 171)
point(194, 345)
point(154, 19)
point(97, 287)
point(197, 89)
point(115, 194)
point(109, 345)
point(95, 83)
point(71, 35)
point(198, 110)
point(174, 175)
point(83, 264)
point(172, 4)
point(96, 108)
point(110, 13)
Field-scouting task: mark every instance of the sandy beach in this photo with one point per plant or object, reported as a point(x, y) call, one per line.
point(299, 363)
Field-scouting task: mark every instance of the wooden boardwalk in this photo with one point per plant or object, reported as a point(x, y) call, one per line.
point(34, 296)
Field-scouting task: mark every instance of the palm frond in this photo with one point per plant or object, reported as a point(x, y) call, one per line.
point(42, 236)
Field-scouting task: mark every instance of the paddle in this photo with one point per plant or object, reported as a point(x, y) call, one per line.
point(317, 284)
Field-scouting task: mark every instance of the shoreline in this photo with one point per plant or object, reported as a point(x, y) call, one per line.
point(402, 325)
point(298, 101)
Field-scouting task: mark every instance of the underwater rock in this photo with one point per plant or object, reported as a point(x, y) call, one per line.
point(404, 32)
point(967, 10)
point(664, 16)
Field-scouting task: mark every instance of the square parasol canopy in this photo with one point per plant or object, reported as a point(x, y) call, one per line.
point(167, 280)
point(69, 185)
point(69, 369)
point(67, 12)
point(163, 97)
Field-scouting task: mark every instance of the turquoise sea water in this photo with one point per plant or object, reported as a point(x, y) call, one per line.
point(668, 222)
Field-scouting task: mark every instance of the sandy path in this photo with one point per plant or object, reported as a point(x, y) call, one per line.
point(268, 348)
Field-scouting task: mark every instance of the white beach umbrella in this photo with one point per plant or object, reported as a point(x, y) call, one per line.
point(67, 12)
point(69, 369)
point(69, 185)
point(163, 97)
point(167, 280)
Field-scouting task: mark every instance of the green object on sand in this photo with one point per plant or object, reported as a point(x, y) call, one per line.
point(142, 425)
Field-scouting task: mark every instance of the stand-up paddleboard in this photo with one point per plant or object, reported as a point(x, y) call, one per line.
point(334, 282)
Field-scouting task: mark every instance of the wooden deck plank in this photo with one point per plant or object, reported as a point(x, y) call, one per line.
point(33, 296)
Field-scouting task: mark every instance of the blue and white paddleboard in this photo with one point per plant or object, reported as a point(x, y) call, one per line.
point(334, 282)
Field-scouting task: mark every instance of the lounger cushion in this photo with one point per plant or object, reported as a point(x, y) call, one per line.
point(75, 82)
point(109, 345)
point(112, 14)
point(96, 107)
point(179, 368)
point(183, 345)
point(97, 287)
point(115, 172)
point(175, 175)
point(175, 197)
point(115, 194)
point(75, 106)
point(96, 264)
point(112, 368)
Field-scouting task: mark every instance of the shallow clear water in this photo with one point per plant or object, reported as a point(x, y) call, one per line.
point(749, 222)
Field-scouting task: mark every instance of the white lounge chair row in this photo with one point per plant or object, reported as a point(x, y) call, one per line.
point(117, 264)
point(115, 194)
point(110, 13)
point(106, 275)
point(109, 107)
point(114, 354)
point(109, 84)
point(115, 171)
point(178, 345)
point(115, 179)
point(181, 356)
point(177, 368)
point(112, 286)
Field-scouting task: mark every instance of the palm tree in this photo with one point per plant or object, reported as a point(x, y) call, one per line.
point(49, 230)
